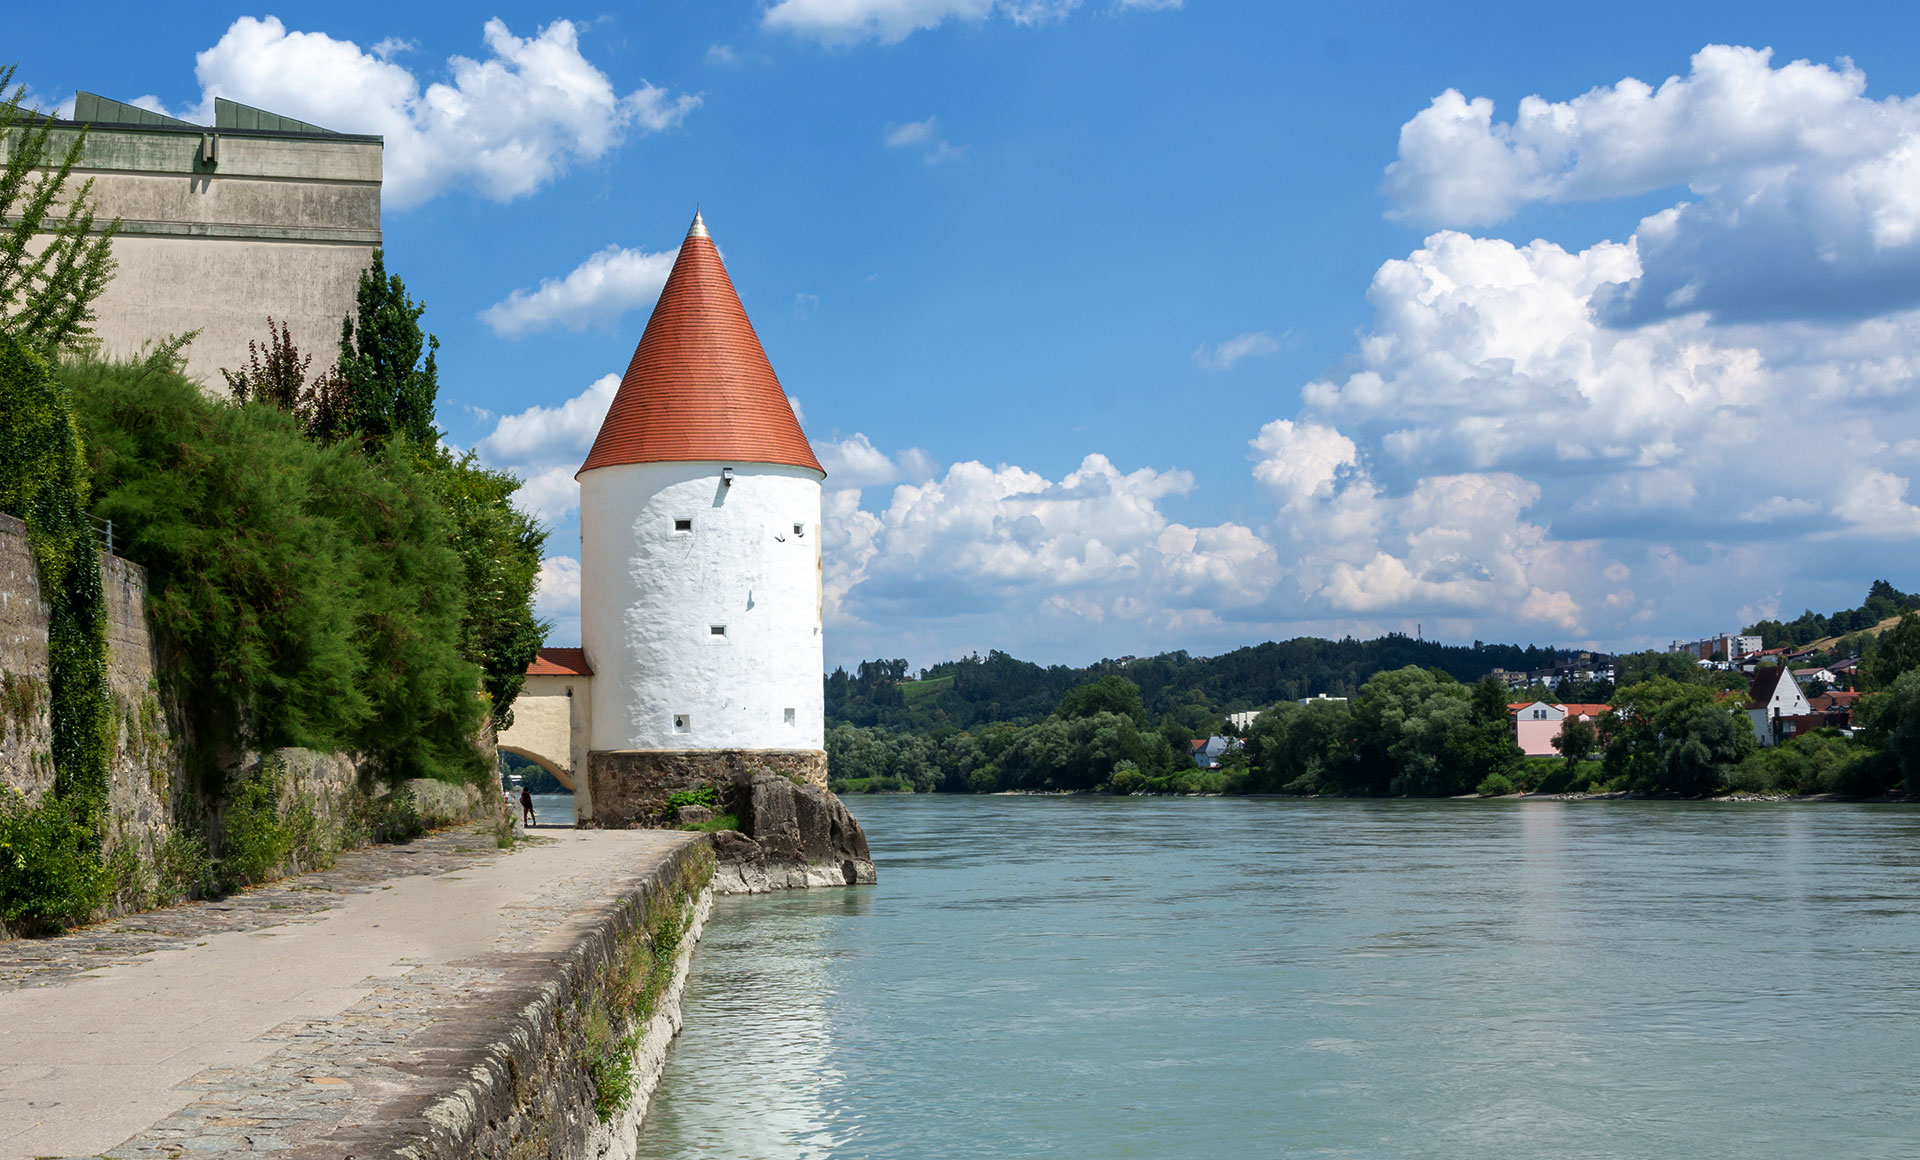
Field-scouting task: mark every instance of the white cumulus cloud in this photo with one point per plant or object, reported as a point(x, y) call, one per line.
point(923, 137)
point(596, 292)
point(1804, 193)
point(544, 446)
point(891, 21)
point(1222, 355)
point(503, 125)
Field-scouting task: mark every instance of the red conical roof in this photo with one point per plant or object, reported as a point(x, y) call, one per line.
point(699, 386)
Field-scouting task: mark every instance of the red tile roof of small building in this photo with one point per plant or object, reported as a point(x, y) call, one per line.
point(699, 386)
point(560, 662)
point(1591, 709)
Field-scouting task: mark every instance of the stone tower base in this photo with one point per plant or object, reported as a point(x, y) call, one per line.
point(629, 787)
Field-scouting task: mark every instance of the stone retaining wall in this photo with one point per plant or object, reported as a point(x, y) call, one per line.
point(146, 793)
point(523, 1049)
point(630, 787)
point(150, 794)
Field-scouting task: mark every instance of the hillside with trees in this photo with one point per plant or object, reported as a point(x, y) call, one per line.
point(1194, 691)
point(1884, 602)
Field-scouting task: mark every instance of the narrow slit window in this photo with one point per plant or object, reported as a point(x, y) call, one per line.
point(683, 525)
point(789, 715)
point(682, 723)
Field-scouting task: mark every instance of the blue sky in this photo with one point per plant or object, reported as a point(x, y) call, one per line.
point(1114, 327)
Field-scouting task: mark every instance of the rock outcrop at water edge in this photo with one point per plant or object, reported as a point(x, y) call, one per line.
point(791, 836)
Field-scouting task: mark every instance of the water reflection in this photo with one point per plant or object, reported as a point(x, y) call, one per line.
point(764, 986)
point(1105, 978)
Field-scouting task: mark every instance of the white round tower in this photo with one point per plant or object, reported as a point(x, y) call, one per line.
point(699, 560)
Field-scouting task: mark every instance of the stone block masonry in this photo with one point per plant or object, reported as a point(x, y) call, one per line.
point(631, 786)
point(26, 729)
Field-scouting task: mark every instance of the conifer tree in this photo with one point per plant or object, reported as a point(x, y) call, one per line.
point(386, 378)
point(46, 297)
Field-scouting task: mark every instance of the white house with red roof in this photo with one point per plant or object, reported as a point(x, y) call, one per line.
point(1777, 706)
point(700, 583)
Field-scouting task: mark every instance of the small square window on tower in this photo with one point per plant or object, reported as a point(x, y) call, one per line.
point(789, 716)
point(685, 525)
point(682, 723)
point(799, 529)
point(716, 630)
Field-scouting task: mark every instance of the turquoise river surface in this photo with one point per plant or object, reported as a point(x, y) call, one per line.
point(1094, 977)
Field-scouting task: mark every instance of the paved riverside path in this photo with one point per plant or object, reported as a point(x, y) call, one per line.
point(252, 1024)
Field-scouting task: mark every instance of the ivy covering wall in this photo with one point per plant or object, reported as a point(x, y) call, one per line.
point(52, 871)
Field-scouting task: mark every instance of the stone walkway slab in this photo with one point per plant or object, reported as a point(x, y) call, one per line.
point(258, 1023)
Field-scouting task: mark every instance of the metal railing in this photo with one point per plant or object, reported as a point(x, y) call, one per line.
point(105, 530)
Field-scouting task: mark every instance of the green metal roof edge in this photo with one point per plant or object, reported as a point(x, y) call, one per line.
point(228, 115)
point(99, 110)
point(234, 115)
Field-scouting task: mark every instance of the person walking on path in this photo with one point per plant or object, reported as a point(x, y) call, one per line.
point(526, 804)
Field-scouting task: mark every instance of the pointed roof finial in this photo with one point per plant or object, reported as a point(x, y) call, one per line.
point(700, 387)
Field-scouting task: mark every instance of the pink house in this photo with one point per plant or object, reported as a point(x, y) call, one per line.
point(1537, 723)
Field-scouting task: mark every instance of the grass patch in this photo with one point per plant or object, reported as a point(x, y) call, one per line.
point(912, 691)
point(714, 824)
point(617, 1012)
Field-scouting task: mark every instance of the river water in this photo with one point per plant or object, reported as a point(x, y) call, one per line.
point(1092, 977)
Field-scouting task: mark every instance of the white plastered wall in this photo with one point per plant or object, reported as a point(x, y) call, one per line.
point(651, 597)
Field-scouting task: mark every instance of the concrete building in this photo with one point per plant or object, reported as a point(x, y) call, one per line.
point(222, 225)
point(1725, 647)
point(700, 585)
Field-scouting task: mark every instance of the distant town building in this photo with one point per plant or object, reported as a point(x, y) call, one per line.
point(1537, 723)
point(222, 225)
point(1584, 666)
point(1725, 647)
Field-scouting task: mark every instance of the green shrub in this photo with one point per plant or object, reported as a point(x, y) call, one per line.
point(308, 596)
point(52, 874)
point(254, 838)
point(132, 876)
point(181, 868)
point(1530, 773)
point(1494, 785)
point(394, 817)
point(705, 795)
point(1127, 779)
